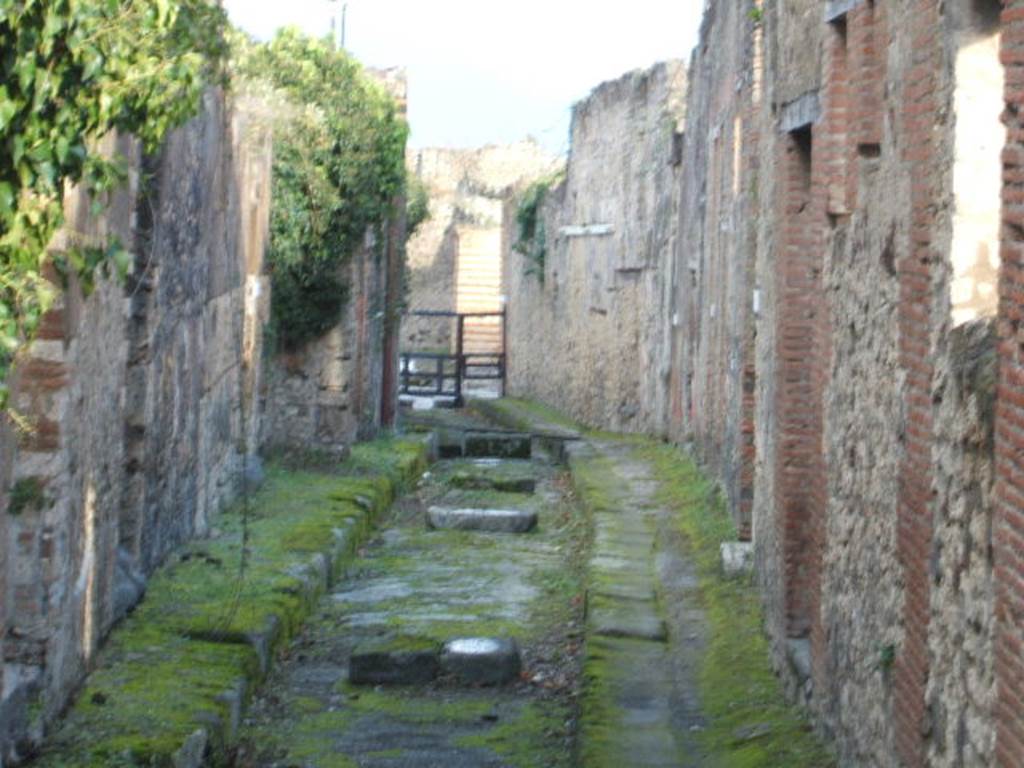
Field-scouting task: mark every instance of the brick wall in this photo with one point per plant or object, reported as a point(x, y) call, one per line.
point(819, 368)
point(799, 385)
point(919, 103)
point(1009, 525)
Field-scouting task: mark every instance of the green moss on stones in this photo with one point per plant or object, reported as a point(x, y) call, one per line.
point(534, 736)
point(526, 415)
point(750, 725)
point(191, 652)
point(26, 494)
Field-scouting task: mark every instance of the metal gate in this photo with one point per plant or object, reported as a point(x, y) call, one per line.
point(479, 356)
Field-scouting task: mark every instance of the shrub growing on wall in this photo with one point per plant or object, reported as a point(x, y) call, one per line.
point(339, 163)
point(72, 71)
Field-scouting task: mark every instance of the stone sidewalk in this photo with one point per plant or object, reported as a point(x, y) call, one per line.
point(641, 706)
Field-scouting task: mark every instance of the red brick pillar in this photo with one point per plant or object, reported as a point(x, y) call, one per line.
point(867, 68)
point(1009, 523)
point(915, 527)
point(800, 485)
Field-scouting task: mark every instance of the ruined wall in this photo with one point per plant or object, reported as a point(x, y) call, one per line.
point(138, 400)
point(328, 394)
point(454, 258)
point(342, 387)
point(591, 335)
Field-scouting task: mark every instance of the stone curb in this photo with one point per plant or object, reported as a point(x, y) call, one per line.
point(310, 578)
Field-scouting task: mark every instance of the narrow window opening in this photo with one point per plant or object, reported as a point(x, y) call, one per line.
point(802, 147)
point(977, 165)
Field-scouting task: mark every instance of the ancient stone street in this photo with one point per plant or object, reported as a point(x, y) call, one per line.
point(417, 586)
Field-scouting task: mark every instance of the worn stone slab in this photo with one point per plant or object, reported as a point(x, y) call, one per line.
point(625, 591)
point(634, 676)
point(497, 445)
point(193, 751)
point(489, 520)
point(614, 563)
point(405, 661)
point(482, 660)
point(626, 618)
point(737, 558)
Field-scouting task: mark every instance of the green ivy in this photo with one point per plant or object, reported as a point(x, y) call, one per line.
point(339, 163)
point(72, 71)
point(532, 238)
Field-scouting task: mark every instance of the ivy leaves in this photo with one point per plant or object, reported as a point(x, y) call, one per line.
point(339, 162)
point(72, 71)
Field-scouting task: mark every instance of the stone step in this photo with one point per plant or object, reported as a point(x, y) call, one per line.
point(489, 520)
point(493, 482)
point(399, 661)
point(499, 445)
point(482, 660)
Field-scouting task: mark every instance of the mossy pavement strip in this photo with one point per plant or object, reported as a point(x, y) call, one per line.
point(745, 721)
point(184, 664)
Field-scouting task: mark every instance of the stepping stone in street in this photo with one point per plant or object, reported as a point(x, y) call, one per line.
point(401, 661)
point(482, 660)
point(498, 445)
point(494, 483)
point(490, 520)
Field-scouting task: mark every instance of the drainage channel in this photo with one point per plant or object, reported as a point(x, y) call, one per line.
point(455, 638)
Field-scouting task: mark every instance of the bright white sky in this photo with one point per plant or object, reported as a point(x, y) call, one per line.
point(493, 72)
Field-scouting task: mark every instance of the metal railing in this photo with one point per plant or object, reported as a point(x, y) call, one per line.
point(433, 374)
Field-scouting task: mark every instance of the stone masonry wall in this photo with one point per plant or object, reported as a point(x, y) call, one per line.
point(590, 337)
point(138, 401)
point(841, 357)
point(342, 387)
point(466, 189)
point(329, 393)
point(713, 291)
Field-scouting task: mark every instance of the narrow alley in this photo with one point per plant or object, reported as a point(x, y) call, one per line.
point(541, 385)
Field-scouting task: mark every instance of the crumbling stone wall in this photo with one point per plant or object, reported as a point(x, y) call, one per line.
point(342, 387)
point(713, 291)
point(466, 189)
point(138, 401)
point(329, 393)
point(589, 335)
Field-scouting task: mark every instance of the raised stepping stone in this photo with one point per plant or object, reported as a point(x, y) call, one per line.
point(482, 660)
point(404, 661)
point(497, 445)
point(490, 482)
point(737, 558)
point(491, 520)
